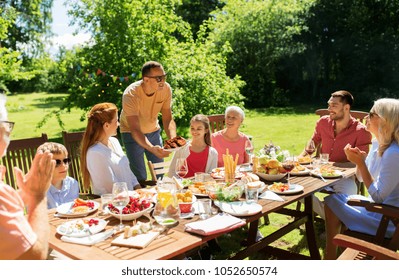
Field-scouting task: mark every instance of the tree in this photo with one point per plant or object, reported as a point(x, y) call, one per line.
point(28, 32)
point(125, 34)
point(261, 35)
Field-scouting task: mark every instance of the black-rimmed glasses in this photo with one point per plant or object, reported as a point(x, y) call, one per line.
point(58, 162)
point(158, 78)
point(8, 125)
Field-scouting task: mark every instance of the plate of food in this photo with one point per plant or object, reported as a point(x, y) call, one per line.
point(299, 170)
point(282, 188)
point(198, 189)
point(174, 144)
point(77, 208)
point(326, 172)
point(81, 227)
point(304, 160)
point(218, 173)
point(239, 208)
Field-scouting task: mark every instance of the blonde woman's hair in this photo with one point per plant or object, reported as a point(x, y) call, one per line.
point(387, 110)
point(98, 115)
point(205, 121)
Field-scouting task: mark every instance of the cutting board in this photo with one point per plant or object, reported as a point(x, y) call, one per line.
point(139, 241)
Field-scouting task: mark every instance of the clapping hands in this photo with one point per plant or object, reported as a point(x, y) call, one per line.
point(354, 155)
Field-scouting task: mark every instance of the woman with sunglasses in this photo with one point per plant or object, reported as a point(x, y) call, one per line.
point(63, 188)
point(103, 161)
point(378, 171)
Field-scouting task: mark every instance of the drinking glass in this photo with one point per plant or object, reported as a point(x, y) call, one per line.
point(289, 164)
point(249, 149)
point(120, 198)
point(181, 167)
point(309, 149)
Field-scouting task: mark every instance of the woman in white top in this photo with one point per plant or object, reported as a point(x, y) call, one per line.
point(200, 155)
point(103, 161)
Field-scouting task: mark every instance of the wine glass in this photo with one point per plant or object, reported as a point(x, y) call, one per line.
point(249, 149)
point(181, 167)
point(289, 164)
point(309, 149)
point(120, 198)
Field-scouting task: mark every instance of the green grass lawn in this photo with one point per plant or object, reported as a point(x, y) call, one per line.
point(287, 127)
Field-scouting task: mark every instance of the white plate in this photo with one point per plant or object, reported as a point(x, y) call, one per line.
point(316, 173)
point(299, 173)
point(239, 208)
point(65, 210)
point(188, 215)
point(270, 177)
point(161, 221)
point(294, 189)
point(218, 173)
point(77, 228)
point(132, 216)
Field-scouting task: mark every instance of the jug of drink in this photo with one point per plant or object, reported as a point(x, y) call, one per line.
point(167, 206)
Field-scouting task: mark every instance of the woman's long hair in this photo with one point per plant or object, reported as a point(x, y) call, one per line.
point(204, 119)
point(100, 113)
point(387, 110)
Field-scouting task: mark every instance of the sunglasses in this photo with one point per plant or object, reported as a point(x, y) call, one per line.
point(58, 162)
point(8, 125)
point(158, 78)
point(372, 114)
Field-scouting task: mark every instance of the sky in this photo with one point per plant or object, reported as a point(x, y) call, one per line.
point(62, 30)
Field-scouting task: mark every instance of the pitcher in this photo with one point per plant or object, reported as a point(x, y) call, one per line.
point(167, 206)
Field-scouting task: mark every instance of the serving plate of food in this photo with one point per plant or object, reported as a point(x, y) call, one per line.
point(218, 173)
point(133, 210)
point(198, 189)
point(304, 160)
point(174, 144)
point(77, 208)
point(81, 227)
point(282, 188)
point(299, 170)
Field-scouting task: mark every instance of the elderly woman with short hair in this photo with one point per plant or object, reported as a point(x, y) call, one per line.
point(230, 137)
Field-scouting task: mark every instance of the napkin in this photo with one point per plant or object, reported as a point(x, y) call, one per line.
point(89, 240)
point(271, 196)
point(216, 224)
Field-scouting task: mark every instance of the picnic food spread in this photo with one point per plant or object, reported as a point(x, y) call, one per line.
point(82, 206)
point(280, 187)
point(175, 142)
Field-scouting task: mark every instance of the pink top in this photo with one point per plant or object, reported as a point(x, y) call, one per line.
point(237, 147)
point(196, 162)
point(16, 234)
point(355, 134)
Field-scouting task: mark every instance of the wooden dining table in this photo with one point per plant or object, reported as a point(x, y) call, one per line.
point(174, 243)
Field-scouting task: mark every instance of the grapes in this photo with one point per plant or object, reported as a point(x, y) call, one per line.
point(270, 149)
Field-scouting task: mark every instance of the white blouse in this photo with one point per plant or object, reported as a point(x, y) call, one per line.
point(107, 166)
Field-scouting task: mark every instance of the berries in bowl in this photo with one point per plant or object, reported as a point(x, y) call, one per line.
point(133, 210)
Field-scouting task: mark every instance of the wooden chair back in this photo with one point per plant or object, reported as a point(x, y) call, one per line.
point(216, 122)
point(72, 142)
point(159, 168)
point(20, 153)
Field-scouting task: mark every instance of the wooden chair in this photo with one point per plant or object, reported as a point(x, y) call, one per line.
point(389, 214)
point(72, 142)
point(216, 122)
point(158, 169)
point(20, 153)
point(357, 249)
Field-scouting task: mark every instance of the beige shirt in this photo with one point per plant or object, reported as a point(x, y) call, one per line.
point(136, 103)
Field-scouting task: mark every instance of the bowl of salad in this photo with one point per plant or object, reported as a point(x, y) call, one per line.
point(225, 191)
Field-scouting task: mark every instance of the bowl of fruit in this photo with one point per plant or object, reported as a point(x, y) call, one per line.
point(271, 170)
point(133, 210)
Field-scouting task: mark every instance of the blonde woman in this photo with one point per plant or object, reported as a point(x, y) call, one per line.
point(103, 161)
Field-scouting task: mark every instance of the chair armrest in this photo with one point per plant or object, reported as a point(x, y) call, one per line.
point(384, 209)
point(371, 249)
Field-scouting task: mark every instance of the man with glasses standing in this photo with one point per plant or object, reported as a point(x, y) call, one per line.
point(142, 101)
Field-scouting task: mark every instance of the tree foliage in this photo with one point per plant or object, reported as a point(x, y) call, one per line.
point(125, 34)
point(261, 35)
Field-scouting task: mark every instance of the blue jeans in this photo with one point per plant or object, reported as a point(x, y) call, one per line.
point(135, 153)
